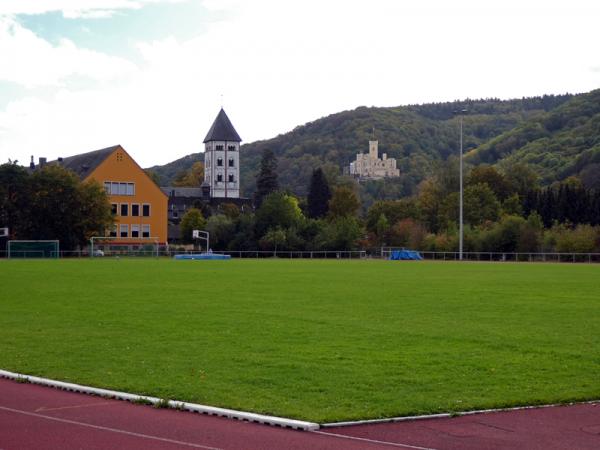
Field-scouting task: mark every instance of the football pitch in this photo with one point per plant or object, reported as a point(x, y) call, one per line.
point(309, 339)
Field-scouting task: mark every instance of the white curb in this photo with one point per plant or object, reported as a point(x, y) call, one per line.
point(193, 407)
point(446, 415)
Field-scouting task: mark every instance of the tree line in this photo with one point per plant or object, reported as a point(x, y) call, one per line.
point(52, 203)
point(504, 211)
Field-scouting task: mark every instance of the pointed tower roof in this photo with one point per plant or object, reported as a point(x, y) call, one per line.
point(222, 130)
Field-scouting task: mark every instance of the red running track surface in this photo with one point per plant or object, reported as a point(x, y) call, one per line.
point(35, 417)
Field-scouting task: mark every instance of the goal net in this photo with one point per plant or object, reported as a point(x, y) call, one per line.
point(121, 246)
point(33, 249)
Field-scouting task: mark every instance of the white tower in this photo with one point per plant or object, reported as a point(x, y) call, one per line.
point(222, 158)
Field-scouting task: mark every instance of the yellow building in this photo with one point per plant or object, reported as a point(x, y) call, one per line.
point(139, 206)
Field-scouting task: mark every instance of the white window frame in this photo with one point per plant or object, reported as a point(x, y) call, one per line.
point(121, 209)
point(135, 228)
point(149, 209)
point(132, 205)
point(145, 227)
point(123, 226)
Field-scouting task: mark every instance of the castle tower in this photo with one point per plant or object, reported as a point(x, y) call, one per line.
point(373, 149)
point(222, 158)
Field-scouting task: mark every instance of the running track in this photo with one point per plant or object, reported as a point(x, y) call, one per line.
point(37, 417)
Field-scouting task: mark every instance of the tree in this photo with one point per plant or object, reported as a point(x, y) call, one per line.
point(521, 178)
point(343, 203)
point(221, 229)
point(341, 233)
point(63, 208)
point(266, 180)
point(14, 196)
point(485, 174)
point(277, 210)
point(480, 204)
point(193, 177)
point(191, 220)
point(273, 239)
point(318, 195)
point(394, 210)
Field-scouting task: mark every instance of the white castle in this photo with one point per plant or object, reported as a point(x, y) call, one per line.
point(368, 165)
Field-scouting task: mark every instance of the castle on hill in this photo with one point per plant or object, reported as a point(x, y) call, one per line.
point(370, 166)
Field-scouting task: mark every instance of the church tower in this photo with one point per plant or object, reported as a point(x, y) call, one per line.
point(222, 158)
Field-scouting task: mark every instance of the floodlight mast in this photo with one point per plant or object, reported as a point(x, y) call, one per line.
point(461, 113)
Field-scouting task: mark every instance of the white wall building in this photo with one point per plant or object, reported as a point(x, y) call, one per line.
point(368, 165)
point(222, 158)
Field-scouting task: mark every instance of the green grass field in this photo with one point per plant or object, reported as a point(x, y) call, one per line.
point(316, 340)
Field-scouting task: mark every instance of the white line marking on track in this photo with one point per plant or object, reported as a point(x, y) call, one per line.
point(86, 405)
point(114, 430)
point(374, 441)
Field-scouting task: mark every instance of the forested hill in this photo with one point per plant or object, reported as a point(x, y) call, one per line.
point(422, 136)
point(564, 141)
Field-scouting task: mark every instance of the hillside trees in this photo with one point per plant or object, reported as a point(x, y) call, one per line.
point(192, 177)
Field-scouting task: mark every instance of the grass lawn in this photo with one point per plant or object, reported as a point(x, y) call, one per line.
point(316, 340)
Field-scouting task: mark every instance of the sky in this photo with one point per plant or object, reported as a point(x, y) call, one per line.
point(151, 75)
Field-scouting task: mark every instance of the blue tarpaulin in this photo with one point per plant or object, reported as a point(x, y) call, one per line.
point(405, 255)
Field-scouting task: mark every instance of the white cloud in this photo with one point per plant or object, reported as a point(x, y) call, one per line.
point(281, 64)
point(73, 9)
point(31, 61)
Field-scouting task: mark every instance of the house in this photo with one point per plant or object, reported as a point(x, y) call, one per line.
point(138, 204)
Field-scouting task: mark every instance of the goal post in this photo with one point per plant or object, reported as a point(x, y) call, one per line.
point(123, 246)
point(33, 248)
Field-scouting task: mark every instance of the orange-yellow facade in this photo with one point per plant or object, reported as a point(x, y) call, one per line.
point(139, 205)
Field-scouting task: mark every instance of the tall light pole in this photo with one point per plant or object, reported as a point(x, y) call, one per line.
point(461, 113)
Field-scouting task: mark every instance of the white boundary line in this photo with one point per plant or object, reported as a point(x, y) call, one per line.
point(374, 441)
point(114, 430)
point(447, 415)
point(193, 407)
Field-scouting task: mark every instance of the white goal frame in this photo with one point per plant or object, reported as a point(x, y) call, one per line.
point(131, 241)
point(55, 241)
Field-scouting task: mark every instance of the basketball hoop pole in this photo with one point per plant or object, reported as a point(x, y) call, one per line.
point(202, 236)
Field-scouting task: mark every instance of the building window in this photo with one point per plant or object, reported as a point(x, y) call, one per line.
point(135, 231)
point(124, 209)
point(117, 188)
point(146, 210)
point(231, 161)
point(231, 148)
point(219, 162)
point(113, 231)
point(135, 209)
point(113, 209)
point(219, 147)
point(219, 178)
point(146, 231)
point(231, 178)
point(124, 230)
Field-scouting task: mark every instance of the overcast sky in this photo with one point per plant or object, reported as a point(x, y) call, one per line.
point(151, 75)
